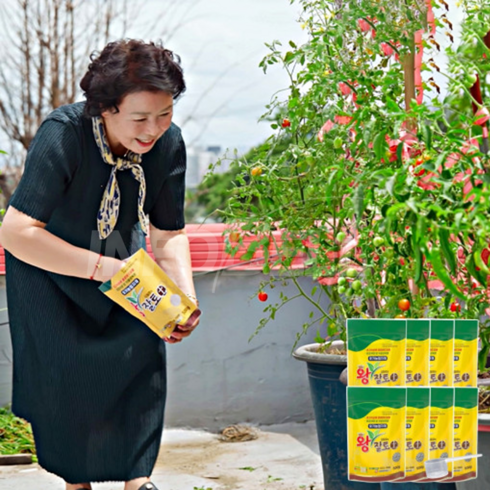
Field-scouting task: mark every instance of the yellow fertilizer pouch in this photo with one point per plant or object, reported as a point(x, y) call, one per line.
point(144, 290)
point(376, 352)
point(418, 422)
point(441, 425)
point(465, 433)
point(376, 433)
point(441, 352)
point(465, 353)
point(418, 343)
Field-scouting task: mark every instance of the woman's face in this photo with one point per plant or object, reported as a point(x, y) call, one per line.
point(143, 117)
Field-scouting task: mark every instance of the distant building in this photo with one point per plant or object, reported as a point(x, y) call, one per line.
point(200, 158)
point(198, 161)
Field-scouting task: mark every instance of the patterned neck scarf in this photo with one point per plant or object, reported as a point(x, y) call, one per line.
point(111, 200)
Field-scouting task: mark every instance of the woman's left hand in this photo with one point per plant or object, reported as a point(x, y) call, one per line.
point(181, 332)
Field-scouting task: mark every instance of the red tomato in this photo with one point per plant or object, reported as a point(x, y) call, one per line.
point(286, 123)
point(420, 172)
point(234, 236)
point(262, 296)
point(404, 304)
point(455, 307)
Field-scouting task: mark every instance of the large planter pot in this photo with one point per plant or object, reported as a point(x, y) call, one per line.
point(328, 394)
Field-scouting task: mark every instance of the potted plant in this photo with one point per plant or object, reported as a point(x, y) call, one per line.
point(382, 187)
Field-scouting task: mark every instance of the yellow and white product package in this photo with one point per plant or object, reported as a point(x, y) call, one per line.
point(143, 289)
point(441, 426)
point(465, 353)
point(441, 352)
point(418, 423)
point(465, 433)
point(376, 350)
point(376, 433)
point(418, 344)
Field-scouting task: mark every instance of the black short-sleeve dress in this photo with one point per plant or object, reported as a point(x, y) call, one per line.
point(89, 377)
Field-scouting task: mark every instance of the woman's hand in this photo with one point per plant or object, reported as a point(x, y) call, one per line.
point(183, 331)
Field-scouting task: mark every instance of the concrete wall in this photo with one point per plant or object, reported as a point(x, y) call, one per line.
point(217, 377)
point(5, 349)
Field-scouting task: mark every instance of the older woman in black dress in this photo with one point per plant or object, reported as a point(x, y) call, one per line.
point(89, 377)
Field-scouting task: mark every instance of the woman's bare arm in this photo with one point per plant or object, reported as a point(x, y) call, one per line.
point(26, 239)
point(172, 253)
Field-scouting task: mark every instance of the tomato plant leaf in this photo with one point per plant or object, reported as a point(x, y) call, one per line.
point(446, 249)
point(418, 263)
point(332, 329)
point(359, 201)
point(427, 136)
point(379, 145)
point(471, 268)
point(442, 274)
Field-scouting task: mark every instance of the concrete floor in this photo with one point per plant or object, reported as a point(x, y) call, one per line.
point(284, 457)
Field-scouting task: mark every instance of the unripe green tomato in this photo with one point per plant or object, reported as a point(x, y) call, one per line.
point(378, 241)
point(469, 80)
point(351, 272)
point(356, 285)
point(340, 236)
point(337, 142)
point(349, 293)
point(341, 289)
point(388, 253)
point(342, 281)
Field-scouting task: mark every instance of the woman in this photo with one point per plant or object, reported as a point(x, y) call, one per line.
point(88, 376)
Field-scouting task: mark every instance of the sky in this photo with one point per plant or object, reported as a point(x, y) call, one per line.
point(221, 43)
point(221, 46)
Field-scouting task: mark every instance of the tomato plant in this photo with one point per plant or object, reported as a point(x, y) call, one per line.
point(383, 177)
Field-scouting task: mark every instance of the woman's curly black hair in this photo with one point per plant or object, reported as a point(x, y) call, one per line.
point(128, 66)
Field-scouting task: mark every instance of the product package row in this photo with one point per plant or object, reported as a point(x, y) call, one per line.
point(412, 352)
point(392, 432)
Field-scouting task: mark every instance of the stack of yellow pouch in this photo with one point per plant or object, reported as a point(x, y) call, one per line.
point(432, 388)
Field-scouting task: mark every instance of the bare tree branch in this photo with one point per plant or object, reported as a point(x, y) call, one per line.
point(47, 44)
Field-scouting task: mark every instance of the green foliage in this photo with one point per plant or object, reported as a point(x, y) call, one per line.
point(271, 479)
point(216, 188)
point(403, 185)
point(15, 435)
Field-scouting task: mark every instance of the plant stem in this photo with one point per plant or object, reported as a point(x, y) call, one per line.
point(300, 289)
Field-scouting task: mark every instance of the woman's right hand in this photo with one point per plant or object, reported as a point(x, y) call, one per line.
point(109, 266)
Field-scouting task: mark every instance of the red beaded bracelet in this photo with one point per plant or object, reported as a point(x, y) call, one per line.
point(97, 266)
